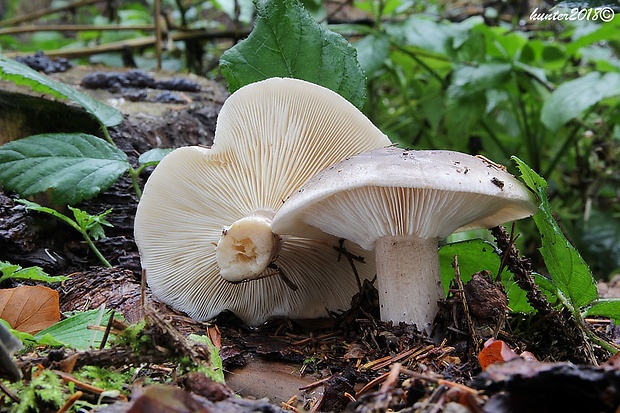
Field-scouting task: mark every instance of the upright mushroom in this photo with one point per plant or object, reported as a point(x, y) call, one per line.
point(400, 203)
point(203, 225)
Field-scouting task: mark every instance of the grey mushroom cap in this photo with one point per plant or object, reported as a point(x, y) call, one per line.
point(395, 192)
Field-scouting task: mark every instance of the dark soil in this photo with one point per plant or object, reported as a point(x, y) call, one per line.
point(349, 362)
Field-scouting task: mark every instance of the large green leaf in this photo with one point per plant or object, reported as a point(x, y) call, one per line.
point(74, 166)
point(422, 33)
point(567, 269)
point(476, 255)
point(468, 80)
point(23, 75)
point(572, 98)
point(287, 42)
point(73, 331)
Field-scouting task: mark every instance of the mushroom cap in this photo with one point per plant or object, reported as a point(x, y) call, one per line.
point(399, 193)
point(271, 136)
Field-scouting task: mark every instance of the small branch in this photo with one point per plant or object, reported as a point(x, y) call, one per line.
point(44, 12)
point(75, 28)
point(463, 299)
point(147, 41)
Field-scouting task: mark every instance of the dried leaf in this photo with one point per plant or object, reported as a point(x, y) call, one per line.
point(495, 351)
point(29, 309)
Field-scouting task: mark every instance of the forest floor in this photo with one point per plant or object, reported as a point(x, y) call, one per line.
point(350, 361)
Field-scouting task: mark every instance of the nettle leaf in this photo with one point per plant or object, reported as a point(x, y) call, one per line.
point(74, 166)
point(23, 75)
point(287, 42)
point(476, 255)
point(572, 98)
point(567, 269)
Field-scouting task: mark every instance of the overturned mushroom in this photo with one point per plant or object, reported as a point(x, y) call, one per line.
point(400, 203)
point(203, 225)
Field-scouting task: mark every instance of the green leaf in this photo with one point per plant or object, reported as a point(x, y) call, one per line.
point(287, 42)
point(92, 224)
point(74, 166)
point(468, 80)
point(476, 255)
point(215, 370)
point(605, 308)
point(73, 331)
point(572, 98)
point(23, 75)
point(567, 269)
point(154, 156)
point(422, 33)
point(30, 273)
point(372, 52)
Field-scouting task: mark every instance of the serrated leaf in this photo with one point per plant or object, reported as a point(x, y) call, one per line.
point(572, 98)
point(23, 75)
point(609, 308)
point(476, 255)
point(74, 166)
point(287, 42)
point(92, 224)
point(567, 269)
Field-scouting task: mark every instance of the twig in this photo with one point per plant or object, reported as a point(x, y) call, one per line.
point(107, 330)
point(158, 33)
point(70, 402)
point(461, 293)
point(350, 257)
point(75, 28)
point(9, 393)
point(44, 12)
point(132, 43)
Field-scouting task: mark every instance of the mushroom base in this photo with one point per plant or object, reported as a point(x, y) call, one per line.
point(408, 280)
point(246, 248)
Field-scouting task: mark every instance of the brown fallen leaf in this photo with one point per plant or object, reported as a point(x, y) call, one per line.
point(29, 309)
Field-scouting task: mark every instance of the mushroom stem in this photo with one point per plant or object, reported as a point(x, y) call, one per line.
point(409, 279)
point(247, 247)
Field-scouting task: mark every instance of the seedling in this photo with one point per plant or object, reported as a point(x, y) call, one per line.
point(90, 226)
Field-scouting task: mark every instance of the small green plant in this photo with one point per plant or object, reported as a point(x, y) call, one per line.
point(42, 393)
point(74, 166)
point(14, 271)
point(90, 226)
point(574, 286)
point(570, 283)
point(214, 368)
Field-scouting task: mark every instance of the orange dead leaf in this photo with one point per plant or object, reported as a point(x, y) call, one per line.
point(29, 308)
point(495, 351)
